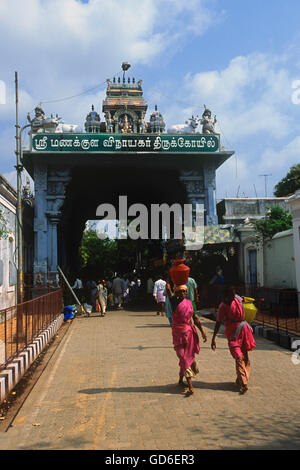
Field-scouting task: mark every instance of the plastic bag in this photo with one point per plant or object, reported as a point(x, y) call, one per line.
point(88, 308)
point(68, 312)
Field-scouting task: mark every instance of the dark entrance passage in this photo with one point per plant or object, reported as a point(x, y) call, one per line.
point(91, 187)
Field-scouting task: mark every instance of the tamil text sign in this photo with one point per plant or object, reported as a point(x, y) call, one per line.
point(125, 143)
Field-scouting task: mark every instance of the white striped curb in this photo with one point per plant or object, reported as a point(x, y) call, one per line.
point(10, 376)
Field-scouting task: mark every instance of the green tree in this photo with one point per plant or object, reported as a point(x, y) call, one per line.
point(276, 220)
point(3, 225)
point(98, 256)
point(290, 183)
point(104, 257)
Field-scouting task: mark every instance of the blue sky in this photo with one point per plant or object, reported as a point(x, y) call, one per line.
point(240, 58)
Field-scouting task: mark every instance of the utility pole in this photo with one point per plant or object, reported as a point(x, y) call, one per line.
point(19, 230)
point(266, 176)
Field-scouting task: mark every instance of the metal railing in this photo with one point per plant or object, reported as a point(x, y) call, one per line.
point(22, 323)
point(278, 308)
point(32, 290)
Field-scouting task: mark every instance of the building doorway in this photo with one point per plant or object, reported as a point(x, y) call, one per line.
point(252, 266)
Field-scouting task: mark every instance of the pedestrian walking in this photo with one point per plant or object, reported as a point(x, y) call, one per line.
point(158, 292)
point(126, 289)
point(239, 335)
point(102, 297)
point(217, 282)
point(118, 287)
point(92, 293)
point(78, 289)
point(168, 306)
point(185, 336)
point(192, 293)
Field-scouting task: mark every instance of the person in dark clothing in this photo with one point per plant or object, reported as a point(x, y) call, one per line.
point(92, 292)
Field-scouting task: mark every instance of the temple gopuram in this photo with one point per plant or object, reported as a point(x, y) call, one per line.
point(120, 153)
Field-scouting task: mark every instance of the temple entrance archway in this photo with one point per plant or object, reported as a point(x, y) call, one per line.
point(122, 155)
point(70, 186)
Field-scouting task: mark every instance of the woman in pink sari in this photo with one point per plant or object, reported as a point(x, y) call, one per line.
point(185, 337)
point(238, 333)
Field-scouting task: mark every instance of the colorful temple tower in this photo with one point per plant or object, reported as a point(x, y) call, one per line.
point(93, 122)
point(124, 106)
point(156, 124)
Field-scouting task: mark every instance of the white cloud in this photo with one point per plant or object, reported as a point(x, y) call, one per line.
point(244, 171)
point(281, 160)
point(63, 47)
point(250, 96)
point(57, 41)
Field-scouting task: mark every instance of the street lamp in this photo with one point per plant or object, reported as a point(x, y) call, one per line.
point(19, 224)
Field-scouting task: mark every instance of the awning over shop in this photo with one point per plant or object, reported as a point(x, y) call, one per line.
point(214, 234)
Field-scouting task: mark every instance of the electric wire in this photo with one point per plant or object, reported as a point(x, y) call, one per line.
point(78, 94)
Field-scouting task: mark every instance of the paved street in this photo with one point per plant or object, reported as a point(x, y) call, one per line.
point(112, 384)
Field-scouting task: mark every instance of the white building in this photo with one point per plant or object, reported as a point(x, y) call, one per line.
point(8, 271)
point(294, 204)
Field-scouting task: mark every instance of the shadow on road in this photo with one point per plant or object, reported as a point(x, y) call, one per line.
point(152, 325)
point(224, 386)
point(141, 348)
point(150, 315)
point(165, 389)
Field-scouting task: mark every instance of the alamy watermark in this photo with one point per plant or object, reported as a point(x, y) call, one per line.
point(162, 221)
point(2, 92)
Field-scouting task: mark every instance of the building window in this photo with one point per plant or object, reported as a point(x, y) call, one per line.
point(252, 266)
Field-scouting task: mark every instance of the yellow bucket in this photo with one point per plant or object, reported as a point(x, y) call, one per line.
point(249, 309)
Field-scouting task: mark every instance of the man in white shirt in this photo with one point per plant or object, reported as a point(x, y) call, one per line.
point(158, 292)
point(78, 284)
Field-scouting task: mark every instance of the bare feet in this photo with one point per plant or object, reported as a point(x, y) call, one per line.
point(243, 389)
point(189, 392)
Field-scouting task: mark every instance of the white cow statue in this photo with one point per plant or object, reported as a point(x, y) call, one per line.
point(42, 123)
point(65, 128)
point(187, 128)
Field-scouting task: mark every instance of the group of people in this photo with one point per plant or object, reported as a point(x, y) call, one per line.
point(92, 293)
point(179, 303)
point(105, 295)
point(159, 290)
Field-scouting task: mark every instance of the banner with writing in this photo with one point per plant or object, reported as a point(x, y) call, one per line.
point(125, 143)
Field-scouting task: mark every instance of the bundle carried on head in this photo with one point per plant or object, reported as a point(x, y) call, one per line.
point(179, 272)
